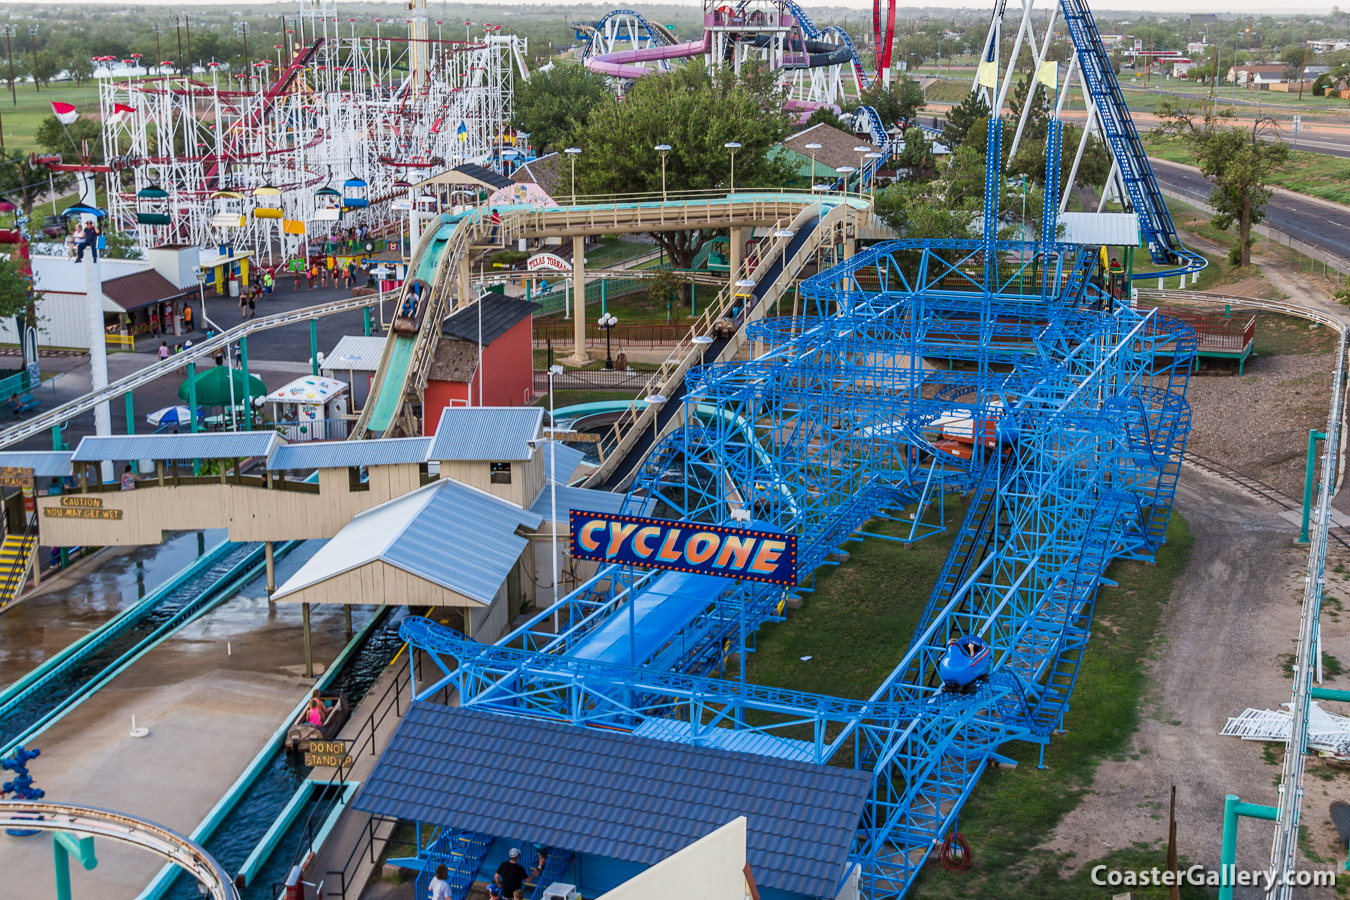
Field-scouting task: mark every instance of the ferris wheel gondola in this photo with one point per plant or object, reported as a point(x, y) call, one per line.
point(227, 209)
point(152, 206)
point(355, 193)
point(267, 202)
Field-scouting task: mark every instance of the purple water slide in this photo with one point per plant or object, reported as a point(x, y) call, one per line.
point(622, 64)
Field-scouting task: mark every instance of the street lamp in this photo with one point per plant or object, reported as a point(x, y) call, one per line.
point(607, 322)
point(813, 147)
point(655, 400)
point(663, 149)
point(862, 150)
point(32, 37)
point(876, 164)
point(845, 171)
point(9, 54)
point(553, 486)
point(572, 155)
point(733, 147)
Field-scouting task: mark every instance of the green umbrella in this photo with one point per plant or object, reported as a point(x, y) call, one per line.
point(213, 386)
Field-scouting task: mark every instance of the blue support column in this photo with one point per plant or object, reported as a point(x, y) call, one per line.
point(1050, 210)
point(993, 176)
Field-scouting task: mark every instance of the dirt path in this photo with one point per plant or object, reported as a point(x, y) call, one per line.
point(1232, 618)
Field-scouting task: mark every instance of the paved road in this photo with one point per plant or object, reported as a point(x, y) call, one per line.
point(1322, 224)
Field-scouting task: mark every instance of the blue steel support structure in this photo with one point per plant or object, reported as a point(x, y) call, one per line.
point(1075, 425)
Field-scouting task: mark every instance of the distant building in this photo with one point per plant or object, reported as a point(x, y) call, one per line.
point(1197, 48)
point(835, 152)
point(1328, 45)
point(1256, 76)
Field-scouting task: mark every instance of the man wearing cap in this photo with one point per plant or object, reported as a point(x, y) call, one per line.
point(510, 875)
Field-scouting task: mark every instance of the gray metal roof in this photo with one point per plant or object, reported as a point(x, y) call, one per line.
point(355, 353)
point(452, 535)
point(341, 454)
point(51, 464)
point(615, 795)
point(205, 445)
point(564, 458)
point(1107, 229)
point(591, 500)
point(486, 433)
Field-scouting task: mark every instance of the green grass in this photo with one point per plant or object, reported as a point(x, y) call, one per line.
point(1314, 174)
point(572, 398)
point(857, 625)
point(21, 121)
point(1278, 335)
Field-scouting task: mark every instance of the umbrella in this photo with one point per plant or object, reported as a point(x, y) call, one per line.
point(171, 415)
point(213, 386)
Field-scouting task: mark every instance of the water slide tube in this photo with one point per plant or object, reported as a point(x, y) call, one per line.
point(624, 63)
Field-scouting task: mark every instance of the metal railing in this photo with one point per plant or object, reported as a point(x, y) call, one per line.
point(160, 368)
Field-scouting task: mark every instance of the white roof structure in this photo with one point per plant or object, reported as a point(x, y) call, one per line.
point(309, 389)
point(1107, 229)
point(354, 353)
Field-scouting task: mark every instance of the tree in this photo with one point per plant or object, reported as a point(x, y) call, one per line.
point(919, 211)
point(917, 156)
point(1293, 57)
point(970, 112)
point(552, 104)
point(898, 103)
point(1240, 160)
point(46, 66)
point(696, 111)
point(1038, 117)
point(80, 67)
point(14, 288)
point(71, 140)
point(28, 186)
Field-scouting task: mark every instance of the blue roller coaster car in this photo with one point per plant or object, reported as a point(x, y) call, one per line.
point(965, 665)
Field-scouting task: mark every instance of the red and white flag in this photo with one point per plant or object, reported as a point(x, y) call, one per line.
point(65, 113)
point(120, 113)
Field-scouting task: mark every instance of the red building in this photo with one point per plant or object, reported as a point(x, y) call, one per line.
point(507, 374)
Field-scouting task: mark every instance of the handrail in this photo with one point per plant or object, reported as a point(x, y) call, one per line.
point(160, 368)
point(114, 826)
point(18, 573)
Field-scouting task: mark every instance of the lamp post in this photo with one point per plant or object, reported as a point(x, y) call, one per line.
point(845, 171)
point(32, 38)
point(813, 147)
point(655, 400)
point(663, 149)
point(572, 156)
point(553, 487)
point(607, 322)
point(733, 147)
point(862, 150)
point(876, 164)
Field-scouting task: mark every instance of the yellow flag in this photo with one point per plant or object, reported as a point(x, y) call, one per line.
point(1049, 74)
point(988, 74)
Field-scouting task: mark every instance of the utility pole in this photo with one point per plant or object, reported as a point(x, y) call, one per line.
point(187, 26)
point(178, 25)
point(159, 54)
point(9, 54)
point(1304, 68)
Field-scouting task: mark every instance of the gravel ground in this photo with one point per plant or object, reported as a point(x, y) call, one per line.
point(1258, 423)
point(1222, 645)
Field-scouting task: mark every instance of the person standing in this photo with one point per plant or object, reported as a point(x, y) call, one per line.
point(252, 307)
point(439, 887)
point(243, 302)
point(163, 351)
point(268, 283)
point(187, 319)
point(510, 876)
point(154, 324)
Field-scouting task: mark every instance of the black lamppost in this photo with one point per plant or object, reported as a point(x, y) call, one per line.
point(607, 322)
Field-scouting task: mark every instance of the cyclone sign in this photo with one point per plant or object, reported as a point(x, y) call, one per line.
point(744, 553)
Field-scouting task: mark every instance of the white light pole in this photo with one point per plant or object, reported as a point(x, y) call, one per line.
point(862, 151)
point(663, 149)
point(813, 147)
point(553, 487)
point(876, 157)
point(572, 155)
point(845, 171)
point(733, 147)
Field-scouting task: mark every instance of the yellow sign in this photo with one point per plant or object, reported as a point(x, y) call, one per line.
point(81, 508)
point(582, 437)
point(332, 754)
point(11, 476)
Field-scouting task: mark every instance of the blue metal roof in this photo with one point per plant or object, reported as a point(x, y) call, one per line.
point(570, 498)
point(486, 433)
point(727, 739)
point(564, 458)
point(452, 535)
point(44, 465)
point(206, 445)
point(341, 454)
point(661, 612)
point(615, 795)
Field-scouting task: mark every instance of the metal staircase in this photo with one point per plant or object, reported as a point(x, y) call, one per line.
point(461, 852)
point(1160, 235)
point(18, 556)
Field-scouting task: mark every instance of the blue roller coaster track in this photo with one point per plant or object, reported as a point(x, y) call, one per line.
point(1076, 419)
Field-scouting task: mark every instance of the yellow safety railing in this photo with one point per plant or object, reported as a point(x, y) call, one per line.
point(124, 341)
